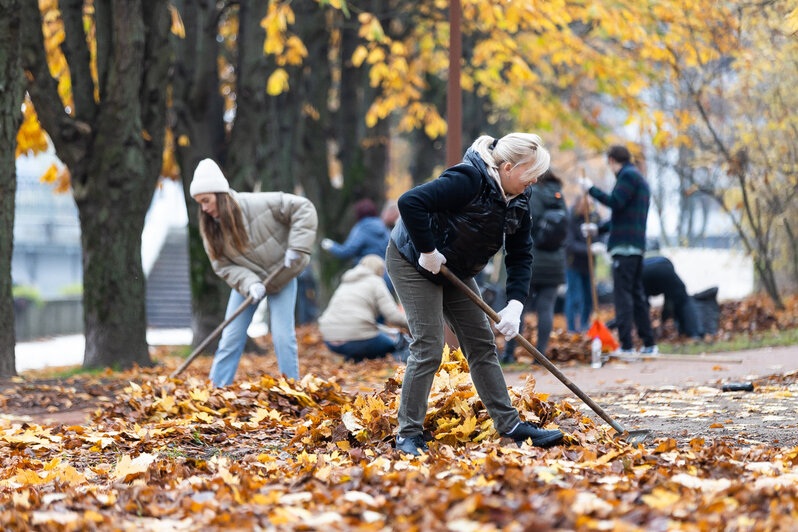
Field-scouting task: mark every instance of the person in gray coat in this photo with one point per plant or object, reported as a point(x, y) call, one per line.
point(549, 216)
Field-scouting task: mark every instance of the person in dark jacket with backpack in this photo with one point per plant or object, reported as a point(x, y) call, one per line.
point(462, 219)
point(578, 296)
point(629, 201)
point(549, 223)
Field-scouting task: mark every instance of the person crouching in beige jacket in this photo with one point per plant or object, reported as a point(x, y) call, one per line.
point(249, 236)
point(350, 327)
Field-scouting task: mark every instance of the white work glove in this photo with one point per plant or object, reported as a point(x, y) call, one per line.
point(327, 244)
point(432, 261)
point(510, 319)
point(586, 183)
point(292, 258)
point(598, 248)
point(589, 229)
point(257, 291)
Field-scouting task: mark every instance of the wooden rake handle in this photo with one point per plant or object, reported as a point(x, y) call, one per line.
point(218, 330)
point(590, 259)
point(545, 362)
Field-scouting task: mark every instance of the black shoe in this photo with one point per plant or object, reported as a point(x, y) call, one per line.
point(414, 445)
point(529, 431)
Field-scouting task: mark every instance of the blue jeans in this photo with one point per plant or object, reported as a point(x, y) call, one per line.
point(234, 336)
point(578, 300)
point(357, 350)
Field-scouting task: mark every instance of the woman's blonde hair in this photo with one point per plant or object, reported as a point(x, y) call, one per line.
point(227, 226)
point(514, 148)
point(374, 263)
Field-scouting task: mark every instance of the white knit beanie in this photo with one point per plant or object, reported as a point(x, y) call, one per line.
point(208, 177)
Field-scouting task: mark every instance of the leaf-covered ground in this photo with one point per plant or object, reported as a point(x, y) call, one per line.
point(160, 454)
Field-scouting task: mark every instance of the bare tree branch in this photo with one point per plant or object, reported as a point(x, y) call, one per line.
point(68, 134)
point(102, 33)
point(77, 55)
point(157, 59)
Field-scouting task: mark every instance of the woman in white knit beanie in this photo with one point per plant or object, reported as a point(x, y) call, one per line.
point(249, 236)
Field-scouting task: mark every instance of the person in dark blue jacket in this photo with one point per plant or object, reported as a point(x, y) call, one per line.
point(462, 219)
point(369, 236)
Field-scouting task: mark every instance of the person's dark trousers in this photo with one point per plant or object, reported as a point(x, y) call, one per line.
point(631, 304)
point(357, 350)
point(545, 297)
point(427, 306)
point(578, 300)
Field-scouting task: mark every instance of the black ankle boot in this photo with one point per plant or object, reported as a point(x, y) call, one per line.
point(414, 445)
point(539, 437)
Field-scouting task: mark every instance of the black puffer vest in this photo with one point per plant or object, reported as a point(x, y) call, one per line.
point(470, 236)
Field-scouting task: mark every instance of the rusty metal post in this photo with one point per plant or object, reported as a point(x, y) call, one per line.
point(454, 98)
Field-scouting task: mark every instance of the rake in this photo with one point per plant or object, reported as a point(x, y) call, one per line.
point(631, 436)
point(218, 330)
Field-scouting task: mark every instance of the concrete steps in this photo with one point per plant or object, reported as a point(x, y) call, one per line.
point(168, 285)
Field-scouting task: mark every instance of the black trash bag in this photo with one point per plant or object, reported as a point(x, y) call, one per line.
point(708, 310)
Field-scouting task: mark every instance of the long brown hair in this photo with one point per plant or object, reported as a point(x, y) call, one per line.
point(228, 225)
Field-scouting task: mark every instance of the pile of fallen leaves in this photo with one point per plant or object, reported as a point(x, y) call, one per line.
point(757, 314)
point(269, 454)
point(751, 316)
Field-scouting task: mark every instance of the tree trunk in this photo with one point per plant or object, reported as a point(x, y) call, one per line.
point(428, 155)
point(120, 180)
point(363, 151)
point(11, 93)
point(112, 144)
point(113, 289)
point(247, 158)
point(792, 244)
point(300, 122)
point(197, 116)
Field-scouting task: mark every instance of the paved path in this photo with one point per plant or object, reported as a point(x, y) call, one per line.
point(681, 400)
point(648, 374)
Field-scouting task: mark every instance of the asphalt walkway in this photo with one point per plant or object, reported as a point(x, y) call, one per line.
point(655, 374)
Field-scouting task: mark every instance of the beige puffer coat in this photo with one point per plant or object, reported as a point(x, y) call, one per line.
point(275, 222)
point(355, 305)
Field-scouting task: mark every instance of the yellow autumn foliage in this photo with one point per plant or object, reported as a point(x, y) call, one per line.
point(31, 138)
point(277, 83)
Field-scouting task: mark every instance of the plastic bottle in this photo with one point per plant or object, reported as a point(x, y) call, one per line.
point(595, 353)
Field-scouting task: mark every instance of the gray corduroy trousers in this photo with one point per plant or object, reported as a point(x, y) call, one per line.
point(427, 305)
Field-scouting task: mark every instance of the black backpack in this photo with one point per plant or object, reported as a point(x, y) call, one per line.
point(549, 232)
